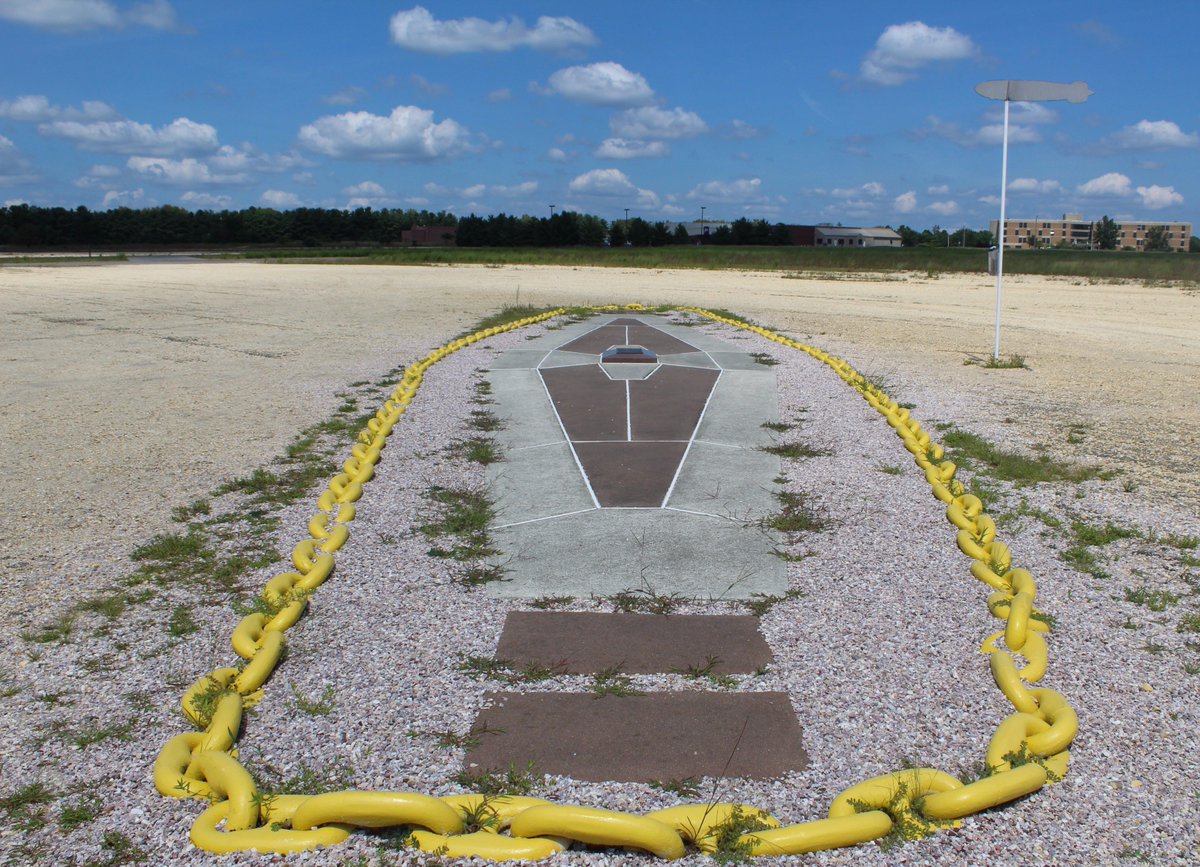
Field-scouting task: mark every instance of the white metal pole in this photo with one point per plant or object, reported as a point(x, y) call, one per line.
point(1000, 232)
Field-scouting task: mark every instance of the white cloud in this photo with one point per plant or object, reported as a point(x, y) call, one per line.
point(500, 94)
point(1111, 184)
point(180, 136)
point(988, 134)
point(1153, 135)
point(740, 130)
point(246, 157)
point(603, 182)
point(37, 109)
point(366, 188)
point(280, 199)
point(122, 198)
point(417, 30)
point(557, 155)
point(741, 191)
point(611, 183)
point(1033, 185)
point(943, 208)
point(408, 134)
point(345, 96)
point(605, 83)
point(938, 190)
point(427, 87)
point(206, 200)
point(904, 48)
point(525, 188)
point(157, 15)
point(872, 189)
point(185, 172)
point(651, 122)
point(1156, 197)
point(1023, 113)
point(14, 166)
point(625, 149)
point(905, 203)
point(76, 15)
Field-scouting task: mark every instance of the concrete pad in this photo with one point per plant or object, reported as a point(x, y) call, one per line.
point(605, 551)
point(736, 361)
point(691, 359)
point(663, 736)
point(719, 553)
point(587, 642)
point(518, 484)
point(742, 401)
point(520, 402)
point(731, 482)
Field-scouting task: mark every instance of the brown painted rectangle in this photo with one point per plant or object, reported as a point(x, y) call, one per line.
point(627, 331)
point(591, 406)
point(598, 340)
point(667, 406)
point(586, 642)
point(660, 736)
point(630, 474)
point(659, 341)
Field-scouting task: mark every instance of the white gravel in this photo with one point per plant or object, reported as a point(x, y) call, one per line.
point(879, 655)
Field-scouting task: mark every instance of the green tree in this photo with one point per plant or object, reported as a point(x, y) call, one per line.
point(1156, 238)
point(1194, 245)
point(1104, 235)
point(616, 234)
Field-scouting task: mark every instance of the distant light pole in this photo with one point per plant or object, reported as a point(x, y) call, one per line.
point(627, 216)
point(1020, 91)
point(703, 208)
point(552, 207)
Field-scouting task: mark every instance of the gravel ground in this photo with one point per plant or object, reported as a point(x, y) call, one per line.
point(878, 652)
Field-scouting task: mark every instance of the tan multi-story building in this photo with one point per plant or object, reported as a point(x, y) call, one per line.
point(1077, 232)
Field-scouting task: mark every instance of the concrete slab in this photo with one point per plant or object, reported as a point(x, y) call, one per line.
point(719, 553)
point(736, 361)
point(605, 551)
point(520, 402)
point(520, 492)
point(738, 408)
point(731, 482)
point(587, 642)
point(664, 736)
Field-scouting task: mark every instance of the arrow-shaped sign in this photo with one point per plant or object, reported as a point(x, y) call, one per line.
point(1034, 91)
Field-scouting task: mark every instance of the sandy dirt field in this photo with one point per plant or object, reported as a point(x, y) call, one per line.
point(129, 389)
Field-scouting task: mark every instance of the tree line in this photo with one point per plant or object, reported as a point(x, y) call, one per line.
point(168, 225)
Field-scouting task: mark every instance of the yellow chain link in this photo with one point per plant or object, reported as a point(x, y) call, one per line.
point(1027, 751)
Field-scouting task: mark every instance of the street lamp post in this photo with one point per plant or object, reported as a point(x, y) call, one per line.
point(627, 216)
point(552, 207)
point(703, 208)
point(1020, 91)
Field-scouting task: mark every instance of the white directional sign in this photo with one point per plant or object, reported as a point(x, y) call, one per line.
point(1034, 91)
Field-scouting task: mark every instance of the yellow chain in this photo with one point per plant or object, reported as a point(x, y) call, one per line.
point(1027, 751)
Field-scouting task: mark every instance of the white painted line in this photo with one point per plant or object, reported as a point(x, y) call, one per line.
point(536, 446)
point(692, 438)
point(705, 514)
point(567, 437)
point(722, 445)
point(539, 520)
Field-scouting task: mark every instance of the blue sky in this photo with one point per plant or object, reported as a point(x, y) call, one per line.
point(860, 113)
